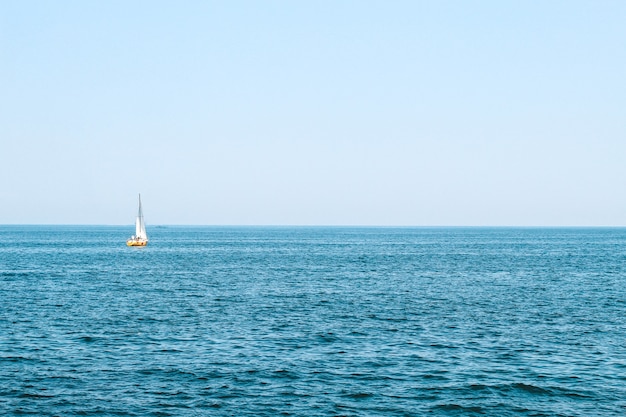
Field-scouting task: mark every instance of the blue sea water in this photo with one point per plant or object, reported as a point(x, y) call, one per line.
point(269, 321)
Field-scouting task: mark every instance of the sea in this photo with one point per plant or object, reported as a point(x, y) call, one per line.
point(312, 321)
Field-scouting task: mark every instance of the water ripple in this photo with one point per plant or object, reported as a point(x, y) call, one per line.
point(313, 321)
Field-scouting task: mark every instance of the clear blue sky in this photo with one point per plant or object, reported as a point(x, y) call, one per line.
point(321, 112)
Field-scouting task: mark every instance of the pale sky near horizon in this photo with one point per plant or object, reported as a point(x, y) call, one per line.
point(313, 113)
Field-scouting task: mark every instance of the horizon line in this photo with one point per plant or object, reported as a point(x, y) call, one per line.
point(547, 226)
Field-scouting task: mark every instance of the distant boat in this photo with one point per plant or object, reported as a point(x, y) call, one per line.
point(140, 238)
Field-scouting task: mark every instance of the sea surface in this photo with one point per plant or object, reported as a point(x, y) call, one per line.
point(312, 321)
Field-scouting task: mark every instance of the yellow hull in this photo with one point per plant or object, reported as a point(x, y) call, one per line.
point(133, 242)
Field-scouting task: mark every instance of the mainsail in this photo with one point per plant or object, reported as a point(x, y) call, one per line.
point(140, 226)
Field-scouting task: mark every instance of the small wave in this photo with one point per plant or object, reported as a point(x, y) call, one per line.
point(442, 346)
point(16, 359)
point(457, 408)
point(15, 274)
point(88, 339)
point(283, 373)
point(518, 386)
point(435, 377)
point(533, 389)
point(29, 395)
point(170, 405)
point(359, 395)
point(328, 337)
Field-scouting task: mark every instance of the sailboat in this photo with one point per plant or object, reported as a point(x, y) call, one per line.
point(140, 238)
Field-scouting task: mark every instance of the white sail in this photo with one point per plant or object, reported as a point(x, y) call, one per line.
point(140, 226)
point(142, 234)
